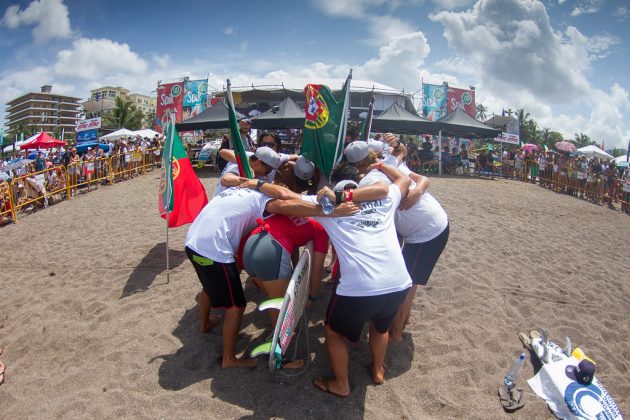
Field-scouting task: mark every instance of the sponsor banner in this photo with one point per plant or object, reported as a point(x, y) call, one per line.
point(195, 93)
point(91, 124)
point(433, 101)
point(461, 98)
point(170, 98)
point(508, 138)
point(85, 136)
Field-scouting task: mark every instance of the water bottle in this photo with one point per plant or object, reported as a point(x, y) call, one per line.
point(327, 205)
point(512, 374)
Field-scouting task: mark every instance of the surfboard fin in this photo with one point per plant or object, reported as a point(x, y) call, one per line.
point(264, 348)
point(271, 304)
point(567, 346)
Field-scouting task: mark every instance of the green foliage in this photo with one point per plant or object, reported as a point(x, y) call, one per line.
point(616, 152)
point(582, 140)
point(123, 115)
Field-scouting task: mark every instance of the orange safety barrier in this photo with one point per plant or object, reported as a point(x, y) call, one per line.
point(37, 188)
point(6, 203)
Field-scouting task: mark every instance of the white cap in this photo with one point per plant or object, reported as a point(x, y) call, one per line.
point(304, 168)
point(376, 146)
point(341, 185)
point(356, 151)
point(268, 156)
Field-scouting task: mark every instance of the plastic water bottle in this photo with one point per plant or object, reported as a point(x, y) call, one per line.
point(512, 374)
point(327, 205)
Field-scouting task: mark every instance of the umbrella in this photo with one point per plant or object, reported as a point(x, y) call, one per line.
point(529, 147)
point(593, 151)
point(4, 176)
point(565, 146)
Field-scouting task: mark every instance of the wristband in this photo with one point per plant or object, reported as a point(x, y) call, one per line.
point(260, 184)
point(349, 195)
point(379, 166)
point(338, 197)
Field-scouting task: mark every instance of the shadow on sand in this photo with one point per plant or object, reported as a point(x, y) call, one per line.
point(273, 394)
point(150, 267)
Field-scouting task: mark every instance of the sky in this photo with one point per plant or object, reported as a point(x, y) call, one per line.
point(563, 61)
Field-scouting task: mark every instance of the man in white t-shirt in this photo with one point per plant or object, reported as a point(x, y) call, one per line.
point(373, 282)
point(211, 244)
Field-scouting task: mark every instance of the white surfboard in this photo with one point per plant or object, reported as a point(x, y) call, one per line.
point(291, 308)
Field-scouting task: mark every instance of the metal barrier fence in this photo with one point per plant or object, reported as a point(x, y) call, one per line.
point(60, 182)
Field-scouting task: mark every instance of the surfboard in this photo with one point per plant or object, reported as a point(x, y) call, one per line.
point(291, 308)
point(566, 397)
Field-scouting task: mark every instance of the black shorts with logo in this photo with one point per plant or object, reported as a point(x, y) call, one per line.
point(347, 314)
point(421, 258)
point(221, 282)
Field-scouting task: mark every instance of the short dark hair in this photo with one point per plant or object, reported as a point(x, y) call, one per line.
point(274, 136)
point(343, 172)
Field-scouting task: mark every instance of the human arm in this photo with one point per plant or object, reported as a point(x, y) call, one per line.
point(299, 207)
point(376, 191)
point(397, 177)
point(270, 190)
point(227, 154)
point(414, 194)
point(231, 179)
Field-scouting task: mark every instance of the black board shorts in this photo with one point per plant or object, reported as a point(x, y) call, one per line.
point(347, 314)
point(421, 258)
point(221, 282)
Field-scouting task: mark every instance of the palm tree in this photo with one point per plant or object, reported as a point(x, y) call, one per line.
point(582, 140)
point(509, 112)
point(123, 115)
point(480, 112)
point(522, 116)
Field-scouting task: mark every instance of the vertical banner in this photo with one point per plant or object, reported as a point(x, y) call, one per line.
point(463, 99)
point(170, 98)
point(195, 93)
point(433, 101)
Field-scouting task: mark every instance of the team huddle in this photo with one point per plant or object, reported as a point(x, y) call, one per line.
point(259, 225)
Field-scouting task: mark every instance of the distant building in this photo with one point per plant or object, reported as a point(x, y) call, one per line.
point(104, 98)
point(45, 110)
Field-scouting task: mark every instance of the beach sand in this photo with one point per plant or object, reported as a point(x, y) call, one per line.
point(91, 329)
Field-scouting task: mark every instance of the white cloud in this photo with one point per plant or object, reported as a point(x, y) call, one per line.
point(229, 30)
point(98, 58)
point(50, 17)
point(587, 7)
point(622, 12)
point(452, 4)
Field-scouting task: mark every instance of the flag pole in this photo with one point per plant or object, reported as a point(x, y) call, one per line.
point(168, 160)
point(344, 118)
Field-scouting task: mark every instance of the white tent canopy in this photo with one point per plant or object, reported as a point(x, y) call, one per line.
point(593, 151)
point(118, 134)
point(147, 132)
point(621, 159)
point(9, 148)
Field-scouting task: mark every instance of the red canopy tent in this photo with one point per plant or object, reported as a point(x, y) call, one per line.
point(43, 141)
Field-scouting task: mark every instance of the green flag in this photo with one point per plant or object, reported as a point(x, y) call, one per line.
point(244, 169)
point(367, 122)
point(325, 125)
point(546, 148)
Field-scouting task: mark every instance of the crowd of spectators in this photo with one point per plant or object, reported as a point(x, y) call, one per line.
point(45, 177)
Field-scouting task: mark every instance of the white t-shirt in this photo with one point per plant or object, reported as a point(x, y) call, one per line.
point(374, 176)
point(422, 222)
point(217, 230)
point(233, 168)
point(370, 259)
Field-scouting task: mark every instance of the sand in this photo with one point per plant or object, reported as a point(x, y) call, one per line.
point(92, 330)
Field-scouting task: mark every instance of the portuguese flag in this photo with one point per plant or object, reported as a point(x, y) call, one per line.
point(242, 161)
point(181, 192)
point(325, 125)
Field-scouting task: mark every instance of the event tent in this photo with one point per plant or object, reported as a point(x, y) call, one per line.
point(621, 161)
point(398, 120)
point(43, 141)
point(285, 115)
point(147, 132)
point(118, 134)
point(215, 117)
point(19, 144)
point(460, 124)
point(593, 151)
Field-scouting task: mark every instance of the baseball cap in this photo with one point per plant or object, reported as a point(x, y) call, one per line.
point(376, 146)
point(356, 151)
point(304, 168)
point(342, 185)
point(583, 373)
point(268, 156)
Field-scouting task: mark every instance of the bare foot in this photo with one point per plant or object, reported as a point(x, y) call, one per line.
point(238, 363)
point(211, 322)
point(331, 386)
point(378, 374)
point(293, 364)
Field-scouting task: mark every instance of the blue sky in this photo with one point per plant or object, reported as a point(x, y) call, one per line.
point(564, 61)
